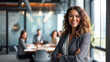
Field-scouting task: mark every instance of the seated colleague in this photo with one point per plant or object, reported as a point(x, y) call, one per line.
point(38, 38)
point(22, 46)
point(55, 38)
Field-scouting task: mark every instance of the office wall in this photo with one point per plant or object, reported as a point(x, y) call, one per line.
point(14, 18)
point(2, 28)
point(46, 22)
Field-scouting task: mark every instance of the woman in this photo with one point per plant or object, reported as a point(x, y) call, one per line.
point(74, 43)
point(22, 46)
point(55, 37)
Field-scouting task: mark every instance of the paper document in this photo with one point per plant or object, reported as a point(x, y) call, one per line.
point(47, 45)
point(28, 49)
point(32, 46)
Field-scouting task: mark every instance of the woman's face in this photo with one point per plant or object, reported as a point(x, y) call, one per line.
point(73, 18)
point(24, 36)
point(54, 34)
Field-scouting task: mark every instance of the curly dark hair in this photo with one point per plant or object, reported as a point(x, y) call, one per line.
point(84, 24)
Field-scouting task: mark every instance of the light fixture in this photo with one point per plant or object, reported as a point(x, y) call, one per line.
point(48, 15)
point(16, 27)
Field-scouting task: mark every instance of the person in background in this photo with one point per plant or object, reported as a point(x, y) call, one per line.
point(38, 38)
point(22, 46)
point(75, 40)
point(55, 38)
point(60, 33)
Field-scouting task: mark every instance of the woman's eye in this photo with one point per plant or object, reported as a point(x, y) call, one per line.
point(77, 15)
point(70, 15)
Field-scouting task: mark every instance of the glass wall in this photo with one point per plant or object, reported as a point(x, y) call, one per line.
point(99, 55)
point(99, 23)
point(2, 31)
point(16, 19)
point(46, 21)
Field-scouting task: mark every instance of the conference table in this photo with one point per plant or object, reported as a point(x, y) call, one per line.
point(34, 47)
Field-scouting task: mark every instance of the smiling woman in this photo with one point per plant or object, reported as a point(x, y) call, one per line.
point(75, 40)
point(73, 18)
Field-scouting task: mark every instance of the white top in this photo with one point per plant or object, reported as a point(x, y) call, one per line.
point(56, 40)
point(66, 45)
point(39, 37)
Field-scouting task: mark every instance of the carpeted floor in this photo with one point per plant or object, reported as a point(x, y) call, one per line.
point(11, 57)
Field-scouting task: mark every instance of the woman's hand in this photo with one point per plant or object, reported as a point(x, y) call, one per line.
point(28, 46)
point(77, 51)
point(59, 55)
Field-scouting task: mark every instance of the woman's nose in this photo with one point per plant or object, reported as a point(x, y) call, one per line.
point(73, 18)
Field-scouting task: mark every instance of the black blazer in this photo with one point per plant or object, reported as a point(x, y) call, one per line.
point(82, 42)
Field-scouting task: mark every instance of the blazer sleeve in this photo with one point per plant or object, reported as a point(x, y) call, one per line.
point(23, 44)
point(84, 47)
point(55, 53)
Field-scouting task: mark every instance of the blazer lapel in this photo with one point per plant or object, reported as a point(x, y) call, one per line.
point(63, 41)
point(71, 43)
point(74, 40)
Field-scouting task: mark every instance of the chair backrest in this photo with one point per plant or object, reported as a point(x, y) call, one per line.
point(16, 49)
point(41, 56)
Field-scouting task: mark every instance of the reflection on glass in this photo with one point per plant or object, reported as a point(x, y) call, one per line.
point(100, 23)
point(100, 56)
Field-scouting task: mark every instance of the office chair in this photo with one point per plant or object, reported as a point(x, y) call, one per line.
point(21, 60)
point(41, 56)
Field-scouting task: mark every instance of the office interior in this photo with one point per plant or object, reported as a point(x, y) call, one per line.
point(48, 15)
